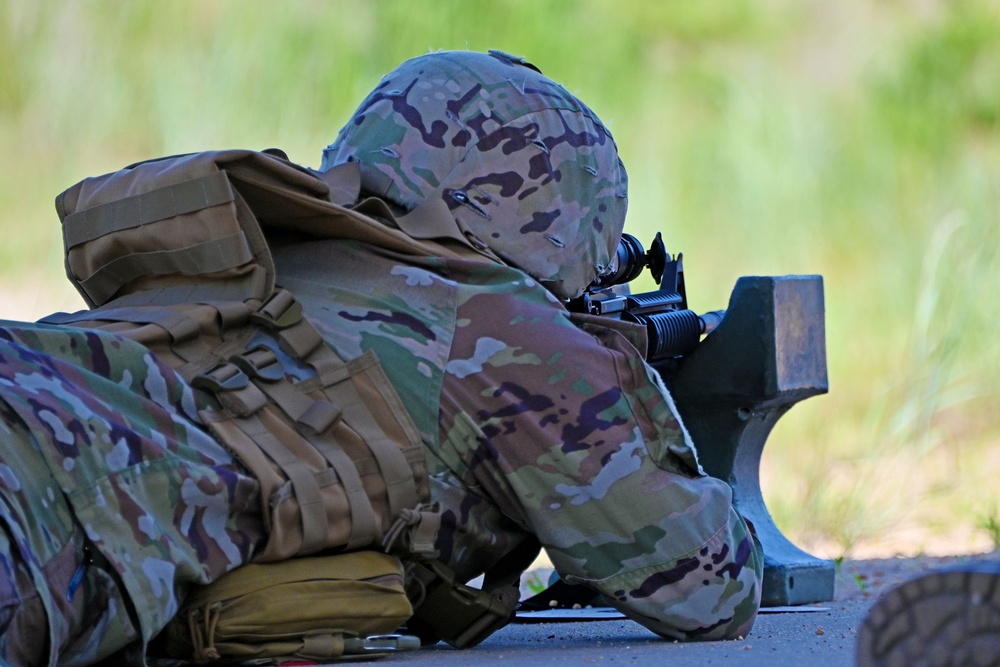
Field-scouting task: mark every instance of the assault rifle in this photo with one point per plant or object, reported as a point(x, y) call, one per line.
point(672, 329)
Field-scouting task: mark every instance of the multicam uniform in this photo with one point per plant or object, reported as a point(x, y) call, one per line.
point(112, 500)
point(540, 424)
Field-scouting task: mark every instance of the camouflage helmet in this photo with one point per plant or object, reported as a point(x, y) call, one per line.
point(522, 163)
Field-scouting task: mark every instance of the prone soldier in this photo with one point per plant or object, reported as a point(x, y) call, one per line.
point(538, 423)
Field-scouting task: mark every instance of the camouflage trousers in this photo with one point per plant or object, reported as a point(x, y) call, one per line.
point(58, 598)
point(113, 501)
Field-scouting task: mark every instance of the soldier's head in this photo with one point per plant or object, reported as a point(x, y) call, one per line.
point(522, 163)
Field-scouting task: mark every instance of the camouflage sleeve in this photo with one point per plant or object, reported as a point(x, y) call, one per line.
point(103, 451)
point(573, 437)
point(533, 424)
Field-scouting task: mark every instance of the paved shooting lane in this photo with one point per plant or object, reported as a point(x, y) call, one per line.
point(816, 639)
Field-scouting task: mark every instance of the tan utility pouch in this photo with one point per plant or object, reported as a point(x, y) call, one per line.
point(314, 608)
point(172, 253)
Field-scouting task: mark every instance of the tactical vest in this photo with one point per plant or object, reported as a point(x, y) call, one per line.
point(173, 253)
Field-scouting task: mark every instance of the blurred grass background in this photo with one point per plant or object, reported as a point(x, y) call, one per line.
point(857, 139)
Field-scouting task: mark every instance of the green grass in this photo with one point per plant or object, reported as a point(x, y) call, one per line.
point(990, 523)
point(857, 139)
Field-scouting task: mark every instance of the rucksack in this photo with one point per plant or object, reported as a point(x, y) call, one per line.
point(174, 254)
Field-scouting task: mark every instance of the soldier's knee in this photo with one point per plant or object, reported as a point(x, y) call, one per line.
point(711, 594)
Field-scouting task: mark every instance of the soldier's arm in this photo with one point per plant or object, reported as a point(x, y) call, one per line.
point(573, 437)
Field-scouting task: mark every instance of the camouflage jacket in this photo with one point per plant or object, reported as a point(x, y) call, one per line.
point(539, 421)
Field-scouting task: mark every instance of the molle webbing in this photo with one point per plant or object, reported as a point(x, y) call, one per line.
point(137, 210)
point(331, 413)
point(229, 252)
point(171, 253)
point(337, 456)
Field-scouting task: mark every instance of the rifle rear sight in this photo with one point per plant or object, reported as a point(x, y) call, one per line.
point(672, 329)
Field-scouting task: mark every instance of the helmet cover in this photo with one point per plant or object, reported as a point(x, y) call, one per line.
point(520, 162)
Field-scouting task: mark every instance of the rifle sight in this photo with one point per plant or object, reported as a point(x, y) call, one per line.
point(672, 330)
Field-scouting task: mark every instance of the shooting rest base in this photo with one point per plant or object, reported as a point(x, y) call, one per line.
point(768, 353)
